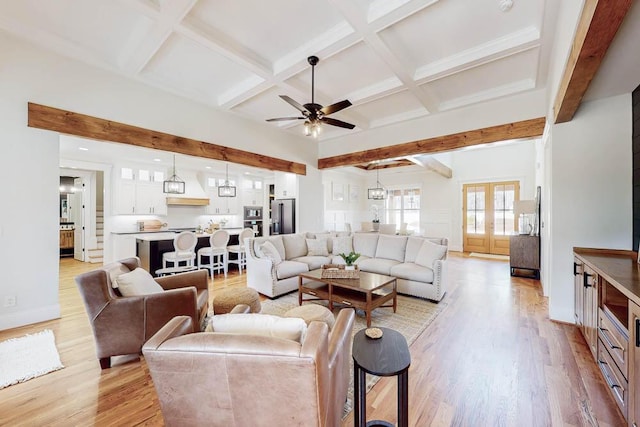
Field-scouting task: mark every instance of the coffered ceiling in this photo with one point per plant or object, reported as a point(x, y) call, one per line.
point(395, 60)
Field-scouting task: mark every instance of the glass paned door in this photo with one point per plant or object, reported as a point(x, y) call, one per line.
point(488, 216)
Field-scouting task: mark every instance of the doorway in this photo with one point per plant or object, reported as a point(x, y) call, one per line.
point(488, 218)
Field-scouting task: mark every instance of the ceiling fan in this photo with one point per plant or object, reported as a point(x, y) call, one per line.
point(315, 114)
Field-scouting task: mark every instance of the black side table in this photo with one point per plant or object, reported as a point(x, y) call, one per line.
point(387, 356)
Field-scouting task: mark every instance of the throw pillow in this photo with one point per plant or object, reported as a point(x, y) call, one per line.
point(260, 324)
point(317, 247)
point(342, 245)
point(271, 252)
point(429, 252)
point(137, 282)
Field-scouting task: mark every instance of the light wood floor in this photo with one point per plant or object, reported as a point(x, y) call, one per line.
point(491, 358)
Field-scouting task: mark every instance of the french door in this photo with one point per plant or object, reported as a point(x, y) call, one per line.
point(488, 217)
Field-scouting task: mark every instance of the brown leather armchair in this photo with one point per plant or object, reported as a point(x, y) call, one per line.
point(219, 379)
point(120, 324)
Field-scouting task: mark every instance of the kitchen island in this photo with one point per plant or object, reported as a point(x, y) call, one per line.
point(150, 247)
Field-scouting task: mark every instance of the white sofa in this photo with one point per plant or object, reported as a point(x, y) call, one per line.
point(395, 256)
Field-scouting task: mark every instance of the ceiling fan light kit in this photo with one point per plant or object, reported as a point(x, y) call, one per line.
point(315, 114)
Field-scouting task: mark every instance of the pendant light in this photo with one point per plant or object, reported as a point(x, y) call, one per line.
point(174, 185)
point(227, 190)
point(378, 192)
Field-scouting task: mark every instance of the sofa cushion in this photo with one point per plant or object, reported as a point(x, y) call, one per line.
point(317, 247)
point(290, 328)
point(411, 271)
point(413, 247)
point(137, 282)
point(114, 270)
point(314, 262)
point(269, 251)
point(429, 252)
point(277, 242)
point(342, 245)
point(391, 247)
point(288, 268)
point(365, 244)
point(295, 245)
point(377, 265)
point(328, 237)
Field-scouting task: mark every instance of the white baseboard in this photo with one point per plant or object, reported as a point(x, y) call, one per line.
point(27, 317)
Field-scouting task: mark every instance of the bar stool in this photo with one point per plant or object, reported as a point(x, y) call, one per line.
point(216, 252)
point(184, 245)
point(239, 249)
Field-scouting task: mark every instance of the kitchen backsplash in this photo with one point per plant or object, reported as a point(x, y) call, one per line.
point(178, 217)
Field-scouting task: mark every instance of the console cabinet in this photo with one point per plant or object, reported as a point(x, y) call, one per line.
point(607, 311)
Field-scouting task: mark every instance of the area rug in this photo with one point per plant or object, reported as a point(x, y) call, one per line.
point(412, 317)
point(28, 357)
point(489, 256)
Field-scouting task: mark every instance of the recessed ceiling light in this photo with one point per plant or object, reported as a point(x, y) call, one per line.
point(157, 160)
point(207, 167)
point(83, 149)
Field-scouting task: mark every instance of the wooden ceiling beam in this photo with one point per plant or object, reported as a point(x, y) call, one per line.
point(523, 129)
point(598, 25)
point(67, 122)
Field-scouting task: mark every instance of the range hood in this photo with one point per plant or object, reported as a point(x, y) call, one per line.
point(194, 194)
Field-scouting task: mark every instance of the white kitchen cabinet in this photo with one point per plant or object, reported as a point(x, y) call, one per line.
point(139, 192)
point(286, 185)
point(252, 193)
point(220, 205)
point(123, 246)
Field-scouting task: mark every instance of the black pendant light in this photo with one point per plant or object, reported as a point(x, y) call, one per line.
point(173, 185)
point(227, 190)
point(378, 192)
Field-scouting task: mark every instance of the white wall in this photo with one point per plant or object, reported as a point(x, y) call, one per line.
point(29, 229)
point(591, 191)
point(353, 208)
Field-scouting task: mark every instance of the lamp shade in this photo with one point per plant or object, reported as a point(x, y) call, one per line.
point(173, 185)
point(227, 190)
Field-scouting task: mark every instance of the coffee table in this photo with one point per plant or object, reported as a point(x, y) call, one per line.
point(368, 292)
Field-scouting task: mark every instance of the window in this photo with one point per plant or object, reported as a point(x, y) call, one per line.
point(403, 205)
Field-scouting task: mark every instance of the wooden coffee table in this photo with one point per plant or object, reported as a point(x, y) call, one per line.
point(368, 292)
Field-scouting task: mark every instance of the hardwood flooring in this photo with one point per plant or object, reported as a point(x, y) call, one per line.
point(491, 358)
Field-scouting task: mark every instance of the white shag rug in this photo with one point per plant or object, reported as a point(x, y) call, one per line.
point(27, 357)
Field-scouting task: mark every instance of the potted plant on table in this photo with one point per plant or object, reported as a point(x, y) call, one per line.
point(350, 259)
point(376, 219)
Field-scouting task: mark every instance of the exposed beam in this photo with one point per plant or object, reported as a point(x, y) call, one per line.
point(386, 165)
point(433, 165)
point(596, 29)
point(524, 129)
point(54, 119)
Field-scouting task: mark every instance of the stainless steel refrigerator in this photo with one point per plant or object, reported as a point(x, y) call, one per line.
point(283, 216)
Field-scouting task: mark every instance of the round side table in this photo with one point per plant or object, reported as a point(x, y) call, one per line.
point(387, 356)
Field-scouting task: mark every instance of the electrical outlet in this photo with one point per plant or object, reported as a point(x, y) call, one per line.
point(10, 301)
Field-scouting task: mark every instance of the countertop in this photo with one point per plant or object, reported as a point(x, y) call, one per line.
point(169, 235)
point(232, 230)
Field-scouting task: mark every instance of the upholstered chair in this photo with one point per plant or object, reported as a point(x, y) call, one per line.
point(184, 245)
point(239, 249)
point(387, 229)
point(236, 380)
point(216, 252)
point(121, 324)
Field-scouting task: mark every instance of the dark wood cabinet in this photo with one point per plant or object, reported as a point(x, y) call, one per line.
point(524, 254)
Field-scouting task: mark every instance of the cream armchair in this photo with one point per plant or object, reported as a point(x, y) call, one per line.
point(220, 379)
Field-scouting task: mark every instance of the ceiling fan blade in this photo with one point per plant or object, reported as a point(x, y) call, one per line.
point(293, 103)
point(335, 122)
point(329, 109)
point(282, 119)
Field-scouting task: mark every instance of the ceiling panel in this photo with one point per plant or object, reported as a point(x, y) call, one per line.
point(270, 29)
point(390, 106)
point(89, 24)
point(195, 69)
point(488, 78)
point(450, 27)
